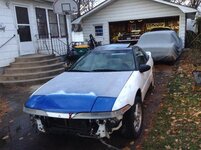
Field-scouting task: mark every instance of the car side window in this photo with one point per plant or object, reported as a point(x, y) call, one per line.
point(140, 56)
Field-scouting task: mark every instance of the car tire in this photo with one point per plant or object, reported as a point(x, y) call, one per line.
point(133, 120)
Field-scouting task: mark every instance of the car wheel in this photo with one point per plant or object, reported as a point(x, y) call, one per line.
point(133, 120)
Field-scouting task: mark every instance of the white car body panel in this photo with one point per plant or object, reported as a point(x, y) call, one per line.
point(98, 98)
point(137, 81)
point(98, 83)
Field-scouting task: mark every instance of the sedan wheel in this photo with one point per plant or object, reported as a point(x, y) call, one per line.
point(137, 117)
point(133, 120)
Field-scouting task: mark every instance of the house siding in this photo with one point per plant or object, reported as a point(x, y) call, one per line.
point(12, 49)
point(122, 10)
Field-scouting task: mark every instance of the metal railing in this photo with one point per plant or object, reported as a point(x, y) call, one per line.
point(51, 45)
point(60, 47)
point(7, 41)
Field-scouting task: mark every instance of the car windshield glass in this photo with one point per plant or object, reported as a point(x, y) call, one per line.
point(106, 61)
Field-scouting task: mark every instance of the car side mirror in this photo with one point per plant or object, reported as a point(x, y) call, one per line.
point(144, 68)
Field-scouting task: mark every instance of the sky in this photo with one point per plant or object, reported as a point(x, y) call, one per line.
point(99, 1)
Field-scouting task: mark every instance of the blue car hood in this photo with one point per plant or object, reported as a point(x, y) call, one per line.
point(73, 92)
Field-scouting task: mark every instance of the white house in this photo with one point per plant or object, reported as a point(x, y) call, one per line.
point(26, 27)
point(125, 20)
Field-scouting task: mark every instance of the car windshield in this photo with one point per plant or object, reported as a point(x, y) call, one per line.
point(106, 61)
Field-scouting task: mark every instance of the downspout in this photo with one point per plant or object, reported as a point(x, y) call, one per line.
point(69, 30)
point(185, 31)
point(182, 30)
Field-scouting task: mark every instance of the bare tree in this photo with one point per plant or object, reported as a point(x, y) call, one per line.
point(195, 3)
point(84, 6)
point(192, 3)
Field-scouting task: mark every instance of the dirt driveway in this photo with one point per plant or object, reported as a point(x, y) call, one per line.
point(16, 132)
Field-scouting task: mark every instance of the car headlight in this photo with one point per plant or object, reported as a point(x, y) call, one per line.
point(103, 115)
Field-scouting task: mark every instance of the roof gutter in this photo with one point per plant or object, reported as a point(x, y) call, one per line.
point(184, 9)
point(43, 1)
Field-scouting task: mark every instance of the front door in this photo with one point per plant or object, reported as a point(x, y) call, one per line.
point(24, 31)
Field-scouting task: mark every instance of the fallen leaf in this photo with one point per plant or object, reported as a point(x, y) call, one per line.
point(197, 114)
point(5, 137)
point(11, 121)
point(126, 148)
point(132, 143)
point(21, 138)
point(167, 147)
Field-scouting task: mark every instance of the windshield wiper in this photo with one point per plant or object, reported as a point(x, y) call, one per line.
point(78, 71)
point(96, 70)
point(104, 70)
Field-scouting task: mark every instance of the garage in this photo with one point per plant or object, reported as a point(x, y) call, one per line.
point(131, 30)
point(117, 21)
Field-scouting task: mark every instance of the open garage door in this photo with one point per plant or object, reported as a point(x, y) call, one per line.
point(130, 31)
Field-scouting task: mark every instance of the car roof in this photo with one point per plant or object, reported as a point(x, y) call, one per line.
point(165, 32)
point(161, 29)
point(113, 47)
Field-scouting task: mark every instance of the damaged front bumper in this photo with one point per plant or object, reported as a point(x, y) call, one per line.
point(97, 124)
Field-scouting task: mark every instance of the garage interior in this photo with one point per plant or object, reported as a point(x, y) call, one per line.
point(130, 31)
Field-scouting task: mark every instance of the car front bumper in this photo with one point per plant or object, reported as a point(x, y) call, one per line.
point(98, 125)
point(82, 115)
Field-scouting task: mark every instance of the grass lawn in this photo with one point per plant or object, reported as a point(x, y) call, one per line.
point(178, 123)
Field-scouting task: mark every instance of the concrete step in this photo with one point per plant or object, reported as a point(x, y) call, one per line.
point(34, 75)
point(35, 63)
point(31, 58)
point(33, 69)
point(26, 82)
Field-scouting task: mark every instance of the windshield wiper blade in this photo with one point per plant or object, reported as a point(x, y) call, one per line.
point(104, 70)
point(96, 70)
point(78, 71)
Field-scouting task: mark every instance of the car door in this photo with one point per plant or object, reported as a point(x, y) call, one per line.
point(143, 59)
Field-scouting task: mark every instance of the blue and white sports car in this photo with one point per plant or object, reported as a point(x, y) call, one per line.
point(102, 92)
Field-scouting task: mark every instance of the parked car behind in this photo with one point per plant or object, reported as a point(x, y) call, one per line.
point(164, 45)
point(103, 92)
point(160, 29)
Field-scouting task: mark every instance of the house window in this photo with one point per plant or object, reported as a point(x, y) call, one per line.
point(53, 23)
point(62, 23)
point(99, 30)
point(41, 23)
